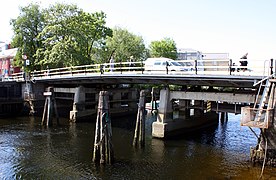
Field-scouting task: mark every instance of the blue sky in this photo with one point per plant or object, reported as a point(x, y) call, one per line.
point(211, 26)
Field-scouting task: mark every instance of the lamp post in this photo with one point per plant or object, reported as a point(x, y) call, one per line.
point(24, 57)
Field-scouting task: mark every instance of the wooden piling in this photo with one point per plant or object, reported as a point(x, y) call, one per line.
point(49, 106)
point(153, 101)
point(223, 117)
point(139, 134)
point(103, 148)
point(29, 97)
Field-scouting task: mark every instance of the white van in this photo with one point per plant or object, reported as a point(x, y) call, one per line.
point(160, 64)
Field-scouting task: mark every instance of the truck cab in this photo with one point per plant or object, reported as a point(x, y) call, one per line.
point(161, 64)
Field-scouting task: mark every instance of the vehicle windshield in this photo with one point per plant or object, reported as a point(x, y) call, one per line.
point(186, 63)
point(175, 63)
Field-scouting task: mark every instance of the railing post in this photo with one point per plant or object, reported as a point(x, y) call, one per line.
point(121, 67)
point(167, 67)
point(195, 66)
point(85, 69)
point(142, 66)
point(274, 67)
point(271, 66)
point(230, 66)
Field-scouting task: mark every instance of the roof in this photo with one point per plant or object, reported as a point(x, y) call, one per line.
point(159, 59)
point(185, 50)
point(9, 53)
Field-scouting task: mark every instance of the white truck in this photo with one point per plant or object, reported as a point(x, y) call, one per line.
point(164, 64)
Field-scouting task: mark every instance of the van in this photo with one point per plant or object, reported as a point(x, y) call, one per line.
point(161, 64)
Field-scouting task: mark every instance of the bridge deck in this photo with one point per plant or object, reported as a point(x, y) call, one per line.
point(188, 79)
point(217, 73)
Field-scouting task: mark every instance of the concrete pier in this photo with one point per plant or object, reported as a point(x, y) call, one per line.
point(270, 137)
point(184, 111)
point(265, 151)
point(78, 104)
point(164, 116)
point(166, 125)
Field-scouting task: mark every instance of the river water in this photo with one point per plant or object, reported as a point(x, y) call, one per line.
point(31, 151)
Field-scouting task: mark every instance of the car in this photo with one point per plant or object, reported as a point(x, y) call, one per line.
point(162, 64)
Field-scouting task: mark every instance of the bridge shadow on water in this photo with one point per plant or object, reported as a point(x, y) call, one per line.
point(65, 152)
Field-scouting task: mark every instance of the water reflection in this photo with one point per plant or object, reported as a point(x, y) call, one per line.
point(31, 151)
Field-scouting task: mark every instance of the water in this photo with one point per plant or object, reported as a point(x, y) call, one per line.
point(30, 151)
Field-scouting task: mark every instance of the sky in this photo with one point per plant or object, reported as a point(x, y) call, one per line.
point(210, 26)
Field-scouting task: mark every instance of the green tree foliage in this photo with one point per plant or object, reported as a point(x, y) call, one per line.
point(125, 45)
point(163, 48)
point(26, 30)
point(60, 35)
point(72, 36)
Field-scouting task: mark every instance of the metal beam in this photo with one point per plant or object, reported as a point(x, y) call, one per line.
point(213, 96)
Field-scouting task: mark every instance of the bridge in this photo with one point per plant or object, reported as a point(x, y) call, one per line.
point(203, 91)
point(208, 73)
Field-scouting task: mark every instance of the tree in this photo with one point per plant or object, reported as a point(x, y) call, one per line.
point(163, 48)
point(26, 29)
point(125, 45)
point(58, 36)
point(72, 36)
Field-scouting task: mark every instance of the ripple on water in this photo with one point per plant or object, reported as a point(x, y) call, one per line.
point(29, 151)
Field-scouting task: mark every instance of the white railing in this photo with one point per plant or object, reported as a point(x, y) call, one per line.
point(201, 67)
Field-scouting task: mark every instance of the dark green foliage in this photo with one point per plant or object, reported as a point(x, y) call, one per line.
point(125, 46)
point(58, 36)
point(163, 48)
point(26, 30)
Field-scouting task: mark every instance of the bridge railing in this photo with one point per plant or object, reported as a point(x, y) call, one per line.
point(255, 67)
point(220, 66)
point(231, 67)
point(208, 67)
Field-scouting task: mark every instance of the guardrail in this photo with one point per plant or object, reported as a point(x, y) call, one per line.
point(207, 67)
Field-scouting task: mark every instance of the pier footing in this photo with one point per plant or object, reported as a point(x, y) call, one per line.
point(166, 125)
point(181, 126)
point(265, 151)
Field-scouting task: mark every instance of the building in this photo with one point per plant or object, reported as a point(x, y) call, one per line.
point(205, 59)
point(188, 54)
point(215, 56)
point(7, 55)
point(191, 54)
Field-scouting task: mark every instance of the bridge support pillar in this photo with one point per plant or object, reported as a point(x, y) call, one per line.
point(164, 116)
point(78, 104)
point(265, 151)
point(29, 97)
point(266, 148)
point(223, 116)
point(166, 125)
point(132, 95)
point(50, 108)
point(184, 111)
point(139, 134)
point(198, 111)
point(117, 96)
point(103, 147)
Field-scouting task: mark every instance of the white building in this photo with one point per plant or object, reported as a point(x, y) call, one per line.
point(188, 54)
